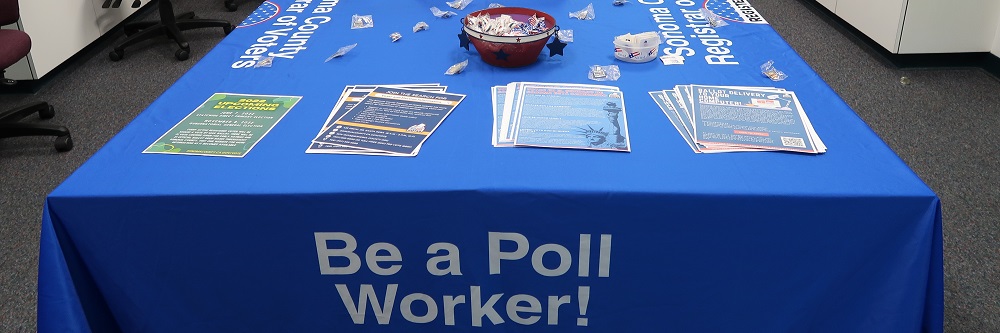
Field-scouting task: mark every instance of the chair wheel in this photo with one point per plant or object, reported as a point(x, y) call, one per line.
point(228, 29)
point(231, 6)
point(47, 113)
point(129, 30)
point(64, 143)
point(116, 55)
point(182, 54)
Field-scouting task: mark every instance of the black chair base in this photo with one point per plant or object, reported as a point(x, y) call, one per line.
point(118, 3)
point(10, 127)
point(232, 5)
point(169, 25)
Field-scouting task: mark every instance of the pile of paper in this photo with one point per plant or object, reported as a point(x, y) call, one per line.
point(560, 115)
point(716, 119)
point(387, 120)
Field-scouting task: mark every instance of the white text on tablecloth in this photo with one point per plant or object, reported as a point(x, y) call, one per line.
point(338, 254)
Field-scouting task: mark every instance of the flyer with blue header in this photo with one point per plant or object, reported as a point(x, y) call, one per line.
point(572, 117)
point(560, 115)
point(751, 118)
point(718, 119)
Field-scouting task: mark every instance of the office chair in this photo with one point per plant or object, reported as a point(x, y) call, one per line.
point(14, 45)
point(169, 25)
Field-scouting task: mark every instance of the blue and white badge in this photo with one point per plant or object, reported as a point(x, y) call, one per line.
point(265, 12)
point(735, 11)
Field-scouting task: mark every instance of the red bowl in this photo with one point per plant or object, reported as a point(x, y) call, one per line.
point(510, 51)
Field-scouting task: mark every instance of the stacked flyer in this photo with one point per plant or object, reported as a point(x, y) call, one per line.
point(574, 116)
point(387, 120)
point(716, 119)
point(226, 125)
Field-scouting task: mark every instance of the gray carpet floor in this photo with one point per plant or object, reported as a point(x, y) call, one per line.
point(942, 124)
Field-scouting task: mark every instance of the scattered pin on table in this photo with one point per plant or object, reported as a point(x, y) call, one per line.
point(362, 21)
point(420, 26)
point(598, 72)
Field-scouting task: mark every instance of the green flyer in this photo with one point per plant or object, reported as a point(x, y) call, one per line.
point(226, 125)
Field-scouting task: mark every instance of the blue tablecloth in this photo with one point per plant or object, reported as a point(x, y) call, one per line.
point(468, 237)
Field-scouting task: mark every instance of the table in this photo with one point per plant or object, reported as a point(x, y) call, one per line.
point(466, 236)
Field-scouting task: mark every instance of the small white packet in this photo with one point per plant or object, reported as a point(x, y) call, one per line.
point(457, 68)
point(421, 26)
point(584, 14)
point(671, 59)
point(619, 2)
point(494, 5)
point(565, 35)
point(264, 62)
point(714, 20)
point(442, 14)
point(604, 73)
point(342, 51)
point(395, 36)
point(361, 21)
point(772, 73)
point(459, 4)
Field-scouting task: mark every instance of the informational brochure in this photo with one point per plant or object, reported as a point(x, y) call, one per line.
point(348, 99)
point(749, 118)
point(560, 115)
point(499, 94)
point(673, 101)
point(670, 102)
point(391, 120)
point(507, 118)
point(571, 117)
point(226, 125)
point(675, 119)
point(717, 119)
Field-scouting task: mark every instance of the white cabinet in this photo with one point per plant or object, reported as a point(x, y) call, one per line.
point(61, 28)
point(108, 18)
point(829, 4)
point(57, 35)
point(880, 20)
point(934, 26)
point(923, 26)
point(996, 42)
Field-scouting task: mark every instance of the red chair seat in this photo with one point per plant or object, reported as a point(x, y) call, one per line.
point(16, 45)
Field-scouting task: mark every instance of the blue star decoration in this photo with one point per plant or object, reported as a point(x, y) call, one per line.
point(556, 47)
point(463, 40)
point(501, 55)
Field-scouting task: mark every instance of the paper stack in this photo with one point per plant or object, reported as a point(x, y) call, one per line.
point(386, 120)
point(716, 119)
point(560, 115)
